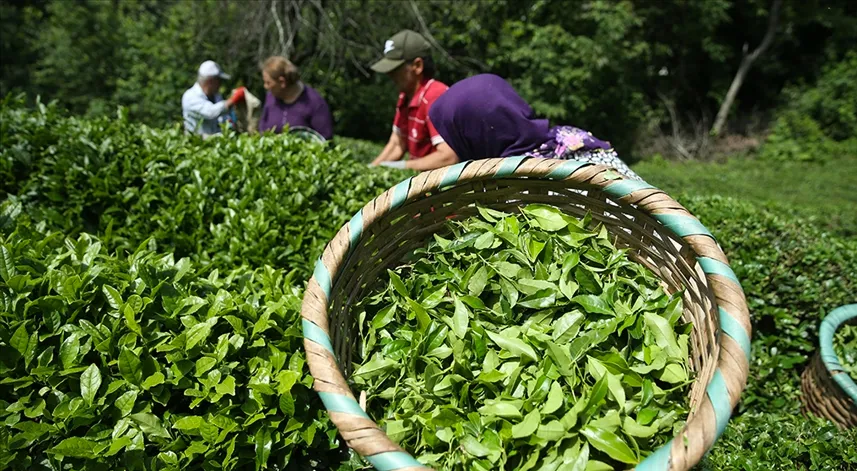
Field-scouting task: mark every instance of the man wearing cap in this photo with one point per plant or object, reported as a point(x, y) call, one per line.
point(203, 105)
point(407, 61)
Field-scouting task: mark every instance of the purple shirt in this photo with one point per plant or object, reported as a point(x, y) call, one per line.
point(309, 110)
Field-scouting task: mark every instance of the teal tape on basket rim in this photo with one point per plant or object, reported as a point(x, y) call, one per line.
point(719, 397)
point(509, 165)
point(626, 187)
point(317, 335)
point(735, 331)
point(355, 227)
point(829, 326)
point(400, 193)
point(682, 225)
point(392, 460)
point(453, 173)
point(334, 402)
point(565, 169)
point(659, 460)
point(711, 266)
point(322, 277)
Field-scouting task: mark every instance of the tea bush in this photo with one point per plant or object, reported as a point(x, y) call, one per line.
point(122, 243)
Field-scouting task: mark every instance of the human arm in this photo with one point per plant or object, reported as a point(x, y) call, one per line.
point(208, 110)
point(394, 150)
point(442, 156)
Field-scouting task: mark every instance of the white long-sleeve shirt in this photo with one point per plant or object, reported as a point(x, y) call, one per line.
point(200, 113)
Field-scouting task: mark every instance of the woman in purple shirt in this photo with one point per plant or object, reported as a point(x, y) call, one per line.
point(482, 117)
point(290, 102)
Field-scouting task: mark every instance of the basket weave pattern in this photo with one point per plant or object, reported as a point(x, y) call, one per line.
point(827, 390)
point(658, 231)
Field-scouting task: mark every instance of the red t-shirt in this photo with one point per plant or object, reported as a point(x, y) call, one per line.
point(412, 121)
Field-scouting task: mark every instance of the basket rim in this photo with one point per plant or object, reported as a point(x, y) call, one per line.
point(829, 325)
point(733, 335)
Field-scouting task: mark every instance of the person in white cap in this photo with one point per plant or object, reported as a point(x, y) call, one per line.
point(203, 105)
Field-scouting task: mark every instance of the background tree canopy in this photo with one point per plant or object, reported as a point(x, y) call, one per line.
point(626, 70)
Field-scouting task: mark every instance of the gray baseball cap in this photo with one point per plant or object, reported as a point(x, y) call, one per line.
point(406, 45)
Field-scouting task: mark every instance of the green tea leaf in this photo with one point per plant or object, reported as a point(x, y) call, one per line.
point(90, 381)
point(547, 217)
point(673, 373)
point(528, 426)
point(114, 298)
point(199, 333)
point(378, 365)
point(384, 317)
point(75, 447)
point(150, 425)
point(155, 379)
point(125, 402)
point(567, 326)
point(609, 443)
point(478, 281)
point(460, 319)
point(130, 366)
point(578, 460)
point(20, 339)
point(397, 283)
point(474, 447)
point(69, 350)
point(484, 241)
point(227, 387)
point(507, 410)
point(539, 300)
point(512, 344)
point(554, 400)
point(664, 334)
point(593, 304)
point(262, 442)
point(634, 429)
point(188, 422)
point(7, 263)
point(551, 431)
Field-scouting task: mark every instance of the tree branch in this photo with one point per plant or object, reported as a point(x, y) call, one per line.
point(744, 68)
point(280, 31)
point(427, 33)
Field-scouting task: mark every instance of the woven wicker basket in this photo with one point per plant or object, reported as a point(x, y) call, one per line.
point(827, 390)
point(659, 232)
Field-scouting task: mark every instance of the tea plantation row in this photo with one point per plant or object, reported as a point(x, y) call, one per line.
point(150, 287)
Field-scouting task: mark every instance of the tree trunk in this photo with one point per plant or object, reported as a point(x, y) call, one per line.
point(746, 63)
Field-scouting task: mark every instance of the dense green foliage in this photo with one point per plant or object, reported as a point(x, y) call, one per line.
point(140, 362)
point(524, 342)
point(794, 271)
point(604, 65)
point(820, 123)
point(845, 346)
point(224, 202)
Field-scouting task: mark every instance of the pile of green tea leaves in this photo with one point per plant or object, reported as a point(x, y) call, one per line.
point(845, 346)
point(526, 342)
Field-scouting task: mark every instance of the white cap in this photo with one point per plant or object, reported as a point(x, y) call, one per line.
point(211, 69)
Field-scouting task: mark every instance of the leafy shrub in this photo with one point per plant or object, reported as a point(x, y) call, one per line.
point(820, 122)
point(24, 137)
point(238, 204)
point(227, 202)
point(782, 441)
point(138, 361)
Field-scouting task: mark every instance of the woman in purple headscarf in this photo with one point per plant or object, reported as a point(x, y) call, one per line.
point(483, 117)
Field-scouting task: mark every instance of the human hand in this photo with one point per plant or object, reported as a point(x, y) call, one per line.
point(400, 164)
point(237, 95)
